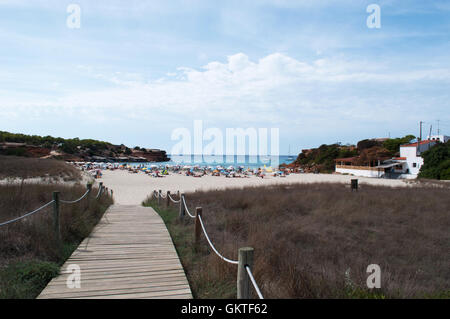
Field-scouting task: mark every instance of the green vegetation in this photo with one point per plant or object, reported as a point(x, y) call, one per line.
point(369, 150)
point(25, 280)
point(436, 162)
point(29, 254)
point(67, 145)
point(393, 144)
point(325, 155)
point(20, 151)
point(73, 149)
point(128, 151)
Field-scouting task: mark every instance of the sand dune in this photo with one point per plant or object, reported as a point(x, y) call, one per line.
point(134, 188)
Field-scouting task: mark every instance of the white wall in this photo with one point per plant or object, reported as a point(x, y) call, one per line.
point(442, 138)
point(411, 158)
point(359, 172)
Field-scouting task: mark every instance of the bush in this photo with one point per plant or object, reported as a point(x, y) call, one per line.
point(393, 144)
point(25, 280)
point(436, 162)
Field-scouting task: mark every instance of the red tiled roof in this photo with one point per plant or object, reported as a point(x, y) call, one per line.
point(415, 144)
point(400, 158)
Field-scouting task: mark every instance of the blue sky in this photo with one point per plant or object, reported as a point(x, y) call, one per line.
point(137, 70)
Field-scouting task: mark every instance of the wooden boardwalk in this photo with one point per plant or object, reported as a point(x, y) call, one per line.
point(128, 255)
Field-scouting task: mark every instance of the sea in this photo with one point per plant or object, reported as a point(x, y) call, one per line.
point(247, 161)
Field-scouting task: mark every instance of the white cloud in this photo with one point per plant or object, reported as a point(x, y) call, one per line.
point(276, 89)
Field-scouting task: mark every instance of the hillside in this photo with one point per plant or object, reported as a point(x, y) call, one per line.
point(322, 159)
point(75, 149)
point(23, 168)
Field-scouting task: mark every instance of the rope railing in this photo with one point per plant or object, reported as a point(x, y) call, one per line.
point(173, 200)
point(100, 190)
point(27, 214)
point(56, 201)
point(255, 285)
point(186, 209)
point(76, 200)
point(235, 262)
point(245, 275)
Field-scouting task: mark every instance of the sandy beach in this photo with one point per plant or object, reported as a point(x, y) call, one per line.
point(132, 188)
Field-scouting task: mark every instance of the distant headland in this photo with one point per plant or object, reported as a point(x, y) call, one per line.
point(75, 149)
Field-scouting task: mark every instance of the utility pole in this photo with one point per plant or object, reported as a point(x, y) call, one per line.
point(420, 135)
point(429, 136)
point(438, 128)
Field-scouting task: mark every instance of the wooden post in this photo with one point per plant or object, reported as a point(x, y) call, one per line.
point(112, 193)
point(354, 184)
point(159, 197)
point(56, 224)
point(243, 280)
point(198, 227)
point(181, 213)
point(101, 188)
point(89, 187)
point(167, 199)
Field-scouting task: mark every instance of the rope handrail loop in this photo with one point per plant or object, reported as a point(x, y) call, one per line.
point(76, 200)
point(212, 246)
point(27, 214)
point(173, 200)
point(100, 190)
point(252, 279)
point(186, 209)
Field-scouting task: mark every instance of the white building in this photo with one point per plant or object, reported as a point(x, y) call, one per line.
point(349, 166)
point(410, 156)
point(406, 166)
point(440, 138)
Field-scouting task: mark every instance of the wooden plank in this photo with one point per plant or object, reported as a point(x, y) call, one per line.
point(128, 255)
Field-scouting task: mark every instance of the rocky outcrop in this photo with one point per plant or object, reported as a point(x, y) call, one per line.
point(89, 152)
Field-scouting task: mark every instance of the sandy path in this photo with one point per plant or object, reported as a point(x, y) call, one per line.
point(132, 189)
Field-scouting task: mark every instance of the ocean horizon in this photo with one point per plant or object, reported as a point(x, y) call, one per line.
point(248, 161)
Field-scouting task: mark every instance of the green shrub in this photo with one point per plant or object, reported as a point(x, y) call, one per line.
point(436, 162)
point(25, 280)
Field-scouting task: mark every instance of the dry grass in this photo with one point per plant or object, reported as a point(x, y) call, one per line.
point(29, 246)
point(24, 167)
point(307, 237)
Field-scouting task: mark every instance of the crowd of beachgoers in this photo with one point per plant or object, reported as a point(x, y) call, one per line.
point(154, 170)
